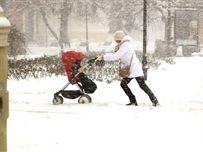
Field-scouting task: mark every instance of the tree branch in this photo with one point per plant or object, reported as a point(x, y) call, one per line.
point(43, 13)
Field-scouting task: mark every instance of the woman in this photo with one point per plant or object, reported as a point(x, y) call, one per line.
point(124, 51)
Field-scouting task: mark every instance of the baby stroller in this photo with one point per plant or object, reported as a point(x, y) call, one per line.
point(71, 61)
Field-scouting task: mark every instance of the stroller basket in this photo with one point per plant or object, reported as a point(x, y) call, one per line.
point(71, 94)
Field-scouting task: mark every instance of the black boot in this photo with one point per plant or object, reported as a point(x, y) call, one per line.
point(133, 101)
point(154, 101)
point(128, 92)
point(132, 104)
point(147, 90)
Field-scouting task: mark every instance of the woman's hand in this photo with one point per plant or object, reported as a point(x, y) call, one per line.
point(99, 58)
point(80, 70)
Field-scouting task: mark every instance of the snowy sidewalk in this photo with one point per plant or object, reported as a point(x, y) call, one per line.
point(107, 125)
point(103, 127)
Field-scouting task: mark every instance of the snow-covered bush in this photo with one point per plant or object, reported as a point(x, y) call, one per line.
point(17, 42)
point(52, 66)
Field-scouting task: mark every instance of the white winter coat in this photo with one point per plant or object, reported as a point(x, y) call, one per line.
point(125, 53)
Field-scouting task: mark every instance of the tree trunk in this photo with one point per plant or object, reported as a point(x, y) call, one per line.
point(63, 38)
point(47, 24)
point(30, 31)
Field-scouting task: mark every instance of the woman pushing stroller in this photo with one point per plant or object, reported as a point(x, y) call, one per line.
point(124, 51)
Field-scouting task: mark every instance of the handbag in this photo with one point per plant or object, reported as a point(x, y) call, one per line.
point(125, 71)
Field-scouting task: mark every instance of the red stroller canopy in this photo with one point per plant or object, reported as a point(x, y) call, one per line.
point(68, 59)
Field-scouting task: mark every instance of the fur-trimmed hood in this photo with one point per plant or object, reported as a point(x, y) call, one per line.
point(127, 37)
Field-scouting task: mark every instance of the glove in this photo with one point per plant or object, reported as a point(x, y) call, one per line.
point(99, 58)
point(80, 70)
point(100, 63)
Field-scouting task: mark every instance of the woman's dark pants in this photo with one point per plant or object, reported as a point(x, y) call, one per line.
point(142, 84)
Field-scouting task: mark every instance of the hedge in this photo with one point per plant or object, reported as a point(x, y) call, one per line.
point(48, 66)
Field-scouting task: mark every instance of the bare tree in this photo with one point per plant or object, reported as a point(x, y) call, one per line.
point(122, 14)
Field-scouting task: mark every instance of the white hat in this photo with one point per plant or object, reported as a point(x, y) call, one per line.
point(119, 35)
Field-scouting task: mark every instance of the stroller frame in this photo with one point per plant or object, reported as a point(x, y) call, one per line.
point(73, 94)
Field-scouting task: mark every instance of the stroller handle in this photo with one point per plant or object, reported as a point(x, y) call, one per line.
point(98, 62)
point(91, 61)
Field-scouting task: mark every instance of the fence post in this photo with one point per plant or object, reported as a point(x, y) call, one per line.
point(4, 104)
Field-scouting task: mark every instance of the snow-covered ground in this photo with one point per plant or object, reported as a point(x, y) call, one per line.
point(107, 125)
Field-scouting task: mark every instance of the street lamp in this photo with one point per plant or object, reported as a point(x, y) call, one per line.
point(93, 10)
point(86, 18)
point(69, 7)
point(144, 57)
point(168, 36)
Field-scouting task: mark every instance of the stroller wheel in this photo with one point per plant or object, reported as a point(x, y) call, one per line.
point(85, 99)
point(57, 100)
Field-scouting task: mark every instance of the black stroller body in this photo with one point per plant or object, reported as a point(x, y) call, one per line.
point(71, 61)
